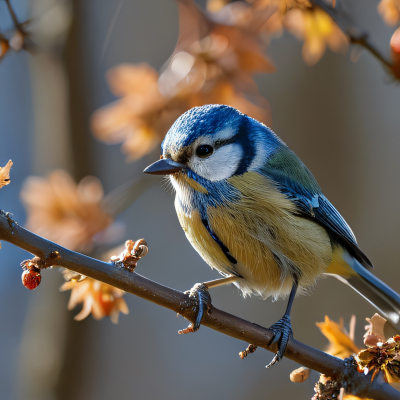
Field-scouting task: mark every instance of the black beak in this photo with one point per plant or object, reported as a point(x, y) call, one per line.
point(165, 166)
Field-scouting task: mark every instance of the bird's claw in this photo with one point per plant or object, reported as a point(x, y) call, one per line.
point(282, 333)
point(199, 292)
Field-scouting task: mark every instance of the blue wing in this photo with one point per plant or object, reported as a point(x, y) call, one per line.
point(294, 179)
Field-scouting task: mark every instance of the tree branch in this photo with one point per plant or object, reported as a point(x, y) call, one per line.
point(180, 303)
point(13, 16)
point(354, 33)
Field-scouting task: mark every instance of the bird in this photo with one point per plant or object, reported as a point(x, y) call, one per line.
point(255, 213)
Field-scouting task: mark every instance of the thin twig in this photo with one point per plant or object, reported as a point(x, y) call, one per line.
point(12, 14)
point(354, 33)
point(20, 27)
point(179, 302)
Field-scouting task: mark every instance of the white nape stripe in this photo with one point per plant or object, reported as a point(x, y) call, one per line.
point(222, 164)
point(261, 154)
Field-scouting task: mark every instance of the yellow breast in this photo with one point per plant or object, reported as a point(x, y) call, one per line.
point(269, 242)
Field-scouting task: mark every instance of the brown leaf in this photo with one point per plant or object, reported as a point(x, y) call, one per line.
point(97, 298)
point(214, 61)
point(374, 330)
point(318, 31)
point(67, 213)
point(5, 174)
point(340, 343)
point(390, 11)
point(382, 357)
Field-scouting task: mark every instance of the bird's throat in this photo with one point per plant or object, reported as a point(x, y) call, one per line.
point(183, 180)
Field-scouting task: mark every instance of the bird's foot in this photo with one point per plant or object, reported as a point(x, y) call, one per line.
point(199, 292)
point(282, 333)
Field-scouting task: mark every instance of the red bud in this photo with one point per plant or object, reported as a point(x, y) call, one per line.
point(31, 278)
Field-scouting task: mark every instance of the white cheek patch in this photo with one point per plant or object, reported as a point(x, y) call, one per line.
point(222, 164)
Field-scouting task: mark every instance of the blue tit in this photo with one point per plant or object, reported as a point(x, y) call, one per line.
point(255, 213)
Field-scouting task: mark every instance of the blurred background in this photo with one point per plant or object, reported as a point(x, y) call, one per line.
point(340, 116)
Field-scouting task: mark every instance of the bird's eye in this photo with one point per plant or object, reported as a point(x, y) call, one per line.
point(204, 150)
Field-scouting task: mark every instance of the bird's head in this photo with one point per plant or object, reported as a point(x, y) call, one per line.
point(213, 142)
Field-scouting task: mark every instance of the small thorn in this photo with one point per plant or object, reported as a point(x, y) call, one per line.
point(273, 361)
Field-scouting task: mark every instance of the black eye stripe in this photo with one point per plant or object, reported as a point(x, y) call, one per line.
point(184, 156)
point(224, 142)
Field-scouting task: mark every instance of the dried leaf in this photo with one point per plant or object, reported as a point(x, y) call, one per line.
point(97, 298)
point(67, 213)
point(214, 58)
point(374, 330)
point(4, 47)
point(318, 31)
point(5, 174)
point(382, 357)
point(390, 11)
point(340, 343)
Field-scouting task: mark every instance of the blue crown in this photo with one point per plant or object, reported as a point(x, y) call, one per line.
point(201, 121)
